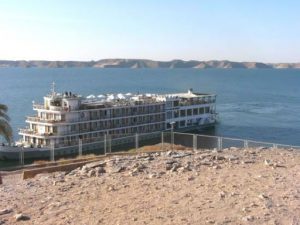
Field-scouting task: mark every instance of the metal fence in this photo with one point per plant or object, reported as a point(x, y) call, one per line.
point(199, 141)
point(155, 141)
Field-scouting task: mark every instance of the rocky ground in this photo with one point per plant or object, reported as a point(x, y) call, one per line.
point(233, 186)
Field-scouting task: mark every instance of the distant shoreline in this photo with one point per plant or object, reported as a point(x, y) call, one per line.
point(144, 63)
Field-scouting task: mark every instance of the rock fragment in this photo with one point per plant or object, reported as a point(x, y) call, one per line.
point(172, 165)
point(268, 204)
point(218, 157)
point(99, 171)
point(217, 167)
point(92, 173)
point(206, 162)
point(190, 178)
point(175, 166)
point(210, 221)
point(248, 218)
point(263, 196)
point(152, 175)
point(119, 169)
point(169, 153)
point(111, 188)
point(268, 162)
point(248, 161)
point(5, 211)
point(21, 217)
point(169, 166)
point(181, 155)
point(95, 164)
point(245, 209)
point(231, 157)
point(222, 194)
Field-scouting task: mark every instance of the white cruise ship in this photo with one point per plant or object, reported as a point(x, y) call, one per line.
point(64, 120)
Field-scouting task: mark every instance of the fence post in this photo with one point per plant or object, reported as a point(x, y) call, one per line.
point(172, 140)
point(275, 146)
point(136, 142)
point(246, 144)
point(80, 147)
point(52, 153)
point(162, 141)
point(22, 156)
point(109, 143)
point(104, 144)
point(219, 143)
point(194, 142)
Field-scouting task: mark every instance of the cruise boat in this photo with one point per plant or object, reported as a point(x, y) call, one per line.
point(67, 122)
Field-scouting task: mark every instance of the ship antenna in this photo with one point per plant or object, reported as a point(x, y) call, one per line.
point(53, 89)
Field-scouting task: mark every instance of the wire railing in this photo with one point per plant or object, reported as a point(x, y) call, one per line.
point(156, 141)
point(200, 141)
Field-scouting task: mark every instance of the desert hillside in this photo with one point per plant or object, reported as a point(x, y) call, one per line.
point(143, 63)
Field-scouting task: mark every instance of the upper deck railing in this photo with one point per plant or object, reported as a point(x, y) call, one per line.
point(196, 102)
point(38, 106)
point(53, 108)
point(34, 132)
point(42, 120)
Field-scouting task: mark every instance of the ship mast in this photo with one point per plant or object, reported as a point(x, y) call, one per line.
point(53, 89)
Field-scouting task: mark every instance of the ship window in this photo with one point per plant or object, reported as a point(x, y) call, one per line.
point(201, 110)
point(182, 113)
point(73, 127)
point(206, 109)
point(189, 112)
point(169, 104)
point(54, 129)
point(55, 103)
point(176, 114)
point(195, 111)
point(176, 103)
point(182, 123)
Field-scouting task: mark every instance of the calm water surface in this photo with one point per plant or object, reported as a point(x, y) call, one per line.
point(262, 104)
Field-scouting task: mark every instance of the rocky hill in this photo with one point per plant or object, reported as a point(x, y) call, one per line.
point(233, 186)
point(144, 63)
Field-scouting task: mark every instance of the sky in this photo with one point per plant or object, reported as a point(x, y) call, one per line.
point(237, 30)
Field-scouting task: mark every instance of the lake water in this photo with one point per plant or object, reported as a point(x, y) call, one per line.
point(259, 104)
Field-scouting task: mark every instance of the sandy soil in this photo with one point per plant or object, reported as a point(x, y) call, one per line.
point(235, 186)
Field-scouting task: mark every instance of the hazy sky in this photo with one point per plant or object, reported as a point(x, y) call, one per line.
point(240, 30)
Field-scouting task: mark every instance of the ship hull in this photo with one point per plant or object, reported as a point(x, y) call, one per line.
point(14, 153)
